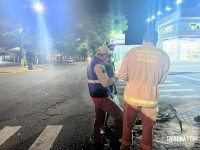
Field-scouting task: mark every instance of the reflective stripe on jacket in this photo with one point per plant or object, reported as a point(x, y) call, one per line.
point(96, 89)
point(141, 102)
point(93, 81)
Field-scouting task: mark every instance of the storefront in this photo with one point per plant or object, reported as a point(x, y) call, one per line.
point(179, 34)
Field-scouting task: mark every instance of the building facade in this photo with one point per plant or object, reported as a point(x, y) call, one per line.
point(179, 34)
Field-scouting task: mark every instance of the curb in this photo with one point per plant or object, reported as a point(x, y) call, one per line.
point(18, 70)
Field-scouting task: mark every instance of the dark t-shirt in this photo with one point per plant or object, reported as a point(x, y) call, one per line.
point(110, 70)
point(111, 74)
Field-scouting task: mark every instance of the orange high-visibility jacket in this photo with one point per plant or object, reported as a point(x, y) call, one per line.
point(144, 67)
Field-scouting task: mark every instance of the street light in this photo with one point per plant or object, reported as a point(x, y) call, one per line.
point(148, 19)
point(38, 7)
point(159, 13)
point(168, 8)
point(178, 2)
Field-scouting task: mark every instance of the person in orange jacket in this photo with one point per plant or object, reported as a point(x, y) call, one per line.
point(144, 67)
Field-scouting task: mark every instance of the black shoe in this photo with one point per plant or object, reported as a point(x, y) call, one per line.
point(107, 131)
point(98, 145)
point(115, 143)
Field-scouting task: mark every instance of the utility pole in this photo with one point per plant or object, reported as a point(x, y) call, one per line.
point(22, 64)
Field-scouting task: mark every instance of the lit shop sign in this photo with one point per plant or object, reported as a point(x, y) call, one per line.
point(195, 26)
point(167, 30)
point(117, 39)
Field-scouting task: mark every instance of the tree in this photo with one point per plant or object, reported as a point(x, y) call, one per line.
point(12, 35)
point(66, 45)
point(95, 29)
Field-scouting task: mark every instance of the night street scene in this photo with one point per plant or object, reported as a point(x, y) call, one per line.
point(54, 54)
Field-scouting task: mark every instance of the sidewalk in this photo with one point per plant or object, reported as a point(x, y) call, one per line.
point(185, 67)
point(10, 67)
point(175, 67)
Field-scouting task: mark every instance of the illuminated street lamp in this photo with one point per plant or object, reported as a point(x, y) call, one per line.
point(178, 2)
point(149, 19)
point(159, 13)
point(153, 17)
point(38, 7)
point(168, 8)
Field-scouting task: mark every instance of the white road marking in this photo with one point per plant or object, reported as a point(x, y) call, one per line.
point(123, 83)
point(195, 79)
point(167, 85)
point(121, 86)
point(46, 138)
point(7, 132)
point(169, 81)
point(180, 96)
point(175, 90)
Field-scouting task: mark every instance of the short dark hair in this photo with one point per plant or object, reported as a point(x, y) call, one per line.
point(150, 36)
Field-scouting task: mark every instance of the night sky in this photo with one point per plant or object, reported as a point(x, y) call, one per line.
point(60, 15)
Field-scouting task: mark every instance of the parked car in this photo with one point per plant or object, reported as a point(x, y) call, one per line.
point(70, 60)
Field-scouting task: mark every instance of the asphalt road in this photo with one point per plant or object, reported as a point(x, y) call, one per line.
point(56, 95)
point(51, 108)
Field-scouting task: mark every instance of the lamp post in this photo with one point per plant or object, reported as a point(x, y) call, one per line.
point(21, 48)
point(39, 9)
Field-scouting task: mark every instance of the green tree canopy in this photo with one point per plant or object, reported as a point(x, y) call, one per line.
point(95, 29)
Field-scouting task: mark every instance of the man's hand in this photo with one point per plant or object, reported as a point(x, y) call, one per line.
point(116, 78)
point(125, 77)
point(115, 90)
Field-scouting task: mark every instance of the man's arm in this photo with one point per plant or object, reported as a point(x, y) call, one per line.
point(165, 70)
point(123, 71)
point(102, 76)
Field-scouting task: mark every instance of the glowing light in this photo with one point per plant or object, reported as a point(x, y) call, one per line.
point(159, 13)
point(20, 30)
point(153, 17)
point(89, 58)
point(168, 8)
point(112, 32)
point(178, 2)
point(193, 26)
point(148, 20)
point(38, 7)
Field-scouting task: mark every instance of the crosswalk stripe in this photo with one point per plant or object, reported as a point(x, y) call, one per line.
point(175, 90)
point(195, 79)
point(168, 85)
point(168, 81)
point(46, 138)
point(120, 87)
point(7, 132)
point(180, 96)
point(123, 83)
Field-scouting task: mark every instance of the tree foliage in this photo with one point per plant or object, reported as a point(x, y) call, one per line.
point(94, 29)
point(90, 31)
point(12, 35)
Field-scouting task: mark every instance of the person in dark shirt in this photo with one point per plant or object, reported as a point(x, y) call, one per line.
point(110, 72)
point(109, 66)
